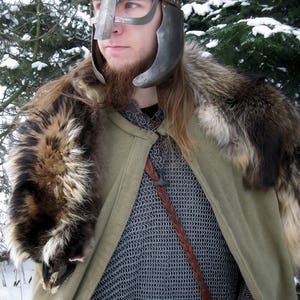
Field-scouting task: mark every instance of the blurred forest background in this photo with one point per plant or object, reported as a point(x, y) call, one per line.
point(43, 39)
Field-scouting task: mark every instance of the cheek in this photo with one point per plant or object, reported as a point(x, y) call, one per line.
point(150, 37)
point(101, 48)
point(151, 44)
point(100, 45)
point(148, 40)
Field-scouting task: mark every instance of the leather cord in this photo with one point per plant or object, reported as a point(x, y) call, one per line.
point(161, 191)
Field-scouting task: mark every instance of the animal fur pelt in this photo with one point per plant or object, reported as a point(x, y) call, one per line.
point(55, 198)
point(256, 128)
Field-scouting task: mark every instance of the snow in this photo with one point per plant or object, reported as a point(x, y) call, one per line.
point(220, 26)
point(265, 26)
point(196, 32)
point(283, 69)
point(269, 26)
point(201, 9)
point(217, 3)
point(83, 16)
point(13, 8)
point(262, 29)
point(229, 3)
point(2, 91)
point(26, 37)
point(267, 8)
point(38, 65)
point(206, 54)
point(187, 10)
point(8, 62)
point(261, 21)
point(16, 284)
point(212, 44)
point(208, 6)
point(72, 51)
point(26, 2)
point(261, 25)
point(86, 51)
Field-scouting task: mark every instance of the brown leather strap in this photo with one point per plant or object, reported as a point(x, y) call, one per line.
point(179, 230)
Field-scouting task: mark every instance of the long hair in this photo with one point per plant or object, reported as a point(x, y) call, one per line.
point(175, 96)
point(176, 99)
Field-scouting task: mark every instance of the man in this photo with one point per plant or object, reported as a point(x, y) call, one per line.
point(149, 173)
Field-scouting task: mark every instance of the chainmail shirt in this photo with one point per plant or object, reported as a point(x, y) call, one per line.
point(149, 262)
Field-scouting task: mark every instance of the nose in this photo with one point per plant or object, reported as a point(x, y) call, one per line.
point(117, 28)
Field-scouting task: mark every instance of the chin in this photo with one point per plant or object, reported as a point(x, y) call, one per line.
point(121, 66)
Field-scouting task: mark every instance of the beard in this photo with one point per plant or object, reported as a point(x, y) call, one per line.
point(119, 86)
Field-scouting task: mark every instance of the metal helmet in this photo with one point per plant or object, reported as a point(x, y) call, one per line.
point(170, 39)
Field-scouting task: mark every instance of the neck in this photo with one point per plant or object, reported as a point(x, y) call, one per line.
point(145, 97)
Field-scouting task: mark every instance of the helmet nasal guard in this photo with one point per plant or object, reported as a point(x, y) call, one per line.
point(170, 37)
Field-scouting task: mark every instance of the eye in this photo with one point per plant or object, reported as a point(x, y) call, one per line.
point(131, 5)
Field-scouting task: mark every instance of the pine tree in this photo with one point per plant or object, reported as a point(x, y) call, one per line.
point(44, 40)
point(260, 37)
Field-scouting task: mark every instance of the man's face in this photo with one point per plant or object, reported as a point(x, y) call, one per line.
point(130, 44)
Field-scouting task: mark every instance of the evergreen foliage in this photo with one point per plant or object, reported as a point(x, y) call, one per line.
point(40, 32)
point(260, 37)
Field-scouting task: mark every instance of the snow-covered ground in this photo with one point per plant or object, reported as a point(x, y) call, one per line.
point(16, 284)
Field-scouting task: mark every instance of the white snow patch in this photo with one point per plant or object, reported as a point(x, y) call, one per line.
point(83, 16)
point(187, 10)
point(72, 51)
point(18, 2)
point(201, 9)
point(86, 51)
point(209, 6)
point(212, 44)
point(216, 12)
point(26, 37)
point(14, 50)
point(262, 21)
point(267, 8)
point(8, 62)
point(2, 92)
point(76, 50)
point(206, 54)
point(14, 8)
point(283, 69)
point(16, 284)
point(229, 3)
point(269, 26)
point(38, 65)
point(262, 29)
point(216, 17)
point(221, 26)
point(216, 3)
point(196, 32)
